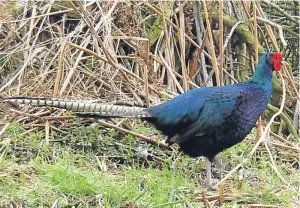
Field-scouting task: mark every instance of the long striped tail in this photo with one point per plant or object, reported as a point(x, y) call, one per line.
point(83, 108)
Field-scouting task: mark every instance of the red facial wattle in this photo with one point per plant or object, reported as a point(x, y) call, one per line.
point(277, 66)
point(277, 58)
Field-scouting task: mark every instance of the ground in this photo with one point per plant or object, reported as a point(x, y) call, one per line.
point(88, 165)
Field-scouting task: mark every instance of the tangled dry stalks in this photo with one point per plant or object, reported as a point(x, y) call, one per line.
point(141, 53)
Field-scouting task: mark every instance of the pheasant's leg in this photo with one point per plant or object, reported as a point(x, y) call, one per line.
point(208, 181)
point(219, 166)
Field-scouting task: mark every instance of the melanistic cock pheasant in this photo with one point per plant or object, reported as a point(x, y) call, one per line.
point(204, 121)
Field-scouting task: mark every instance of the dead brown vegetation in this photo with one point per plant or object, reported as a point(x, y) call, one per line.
point(141, 52)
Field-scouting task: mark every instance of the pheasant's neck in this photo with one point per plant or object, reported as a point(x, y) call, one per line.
point(263, 76)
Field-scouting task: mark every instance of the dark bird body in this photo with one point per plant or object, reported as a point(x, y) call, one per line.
point(210, 120)
point(202, 121)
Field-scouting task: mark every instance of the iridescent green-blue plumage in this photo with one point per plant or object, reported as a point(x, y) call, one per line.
point(206, 121)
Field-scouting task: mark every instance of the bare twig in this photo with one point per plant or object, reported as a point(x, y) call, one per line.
point(214, 59)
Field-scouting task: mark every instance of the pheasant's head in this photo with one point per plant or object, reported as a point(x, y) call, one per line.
point(275, 59)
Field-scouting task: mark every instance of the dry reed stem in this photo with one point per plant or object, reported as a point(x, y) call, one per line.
point(181, 40)
point(168, 41)
point(255, 33)
point(172, 74)
point(59, 70)
point(205, 201)
point(212, 46)
point(145, 70)
point(221, 193)
point(246, 8)
point(47, 132)
point(259, 122)
point(221, 34)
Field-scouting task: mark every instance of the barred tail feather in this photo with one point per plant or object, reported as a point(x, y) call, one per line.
point(83, 108)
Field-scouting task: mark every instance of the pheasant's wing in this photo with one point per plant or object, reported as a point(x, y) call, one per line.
point(197, 112)
point(179, 112)
point(216, 109)
point(239, 104)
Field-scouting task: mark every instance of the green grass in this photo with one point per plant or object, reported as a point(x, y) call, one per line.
point(67, 173)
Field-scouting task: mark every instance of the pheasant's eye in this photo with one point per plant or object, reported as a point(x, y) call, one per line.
point(277, 58)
